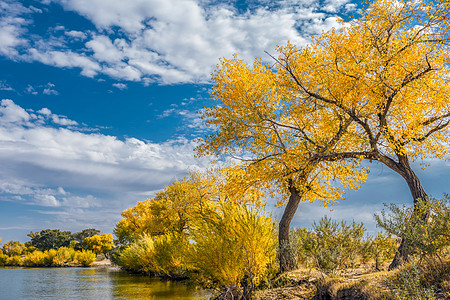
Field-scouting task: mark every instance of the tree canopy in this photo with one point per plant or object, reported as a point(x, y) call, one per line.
point(375, 88)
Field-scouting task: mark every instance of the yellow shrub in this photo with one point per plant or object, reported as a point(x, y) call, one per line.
point(34, 259)
point(63, 256)
point(139, 255)
point(170, 254)
point(85, 257)
point(3, 258)
point(233, 244)
point(14, 260)
point(49, 257)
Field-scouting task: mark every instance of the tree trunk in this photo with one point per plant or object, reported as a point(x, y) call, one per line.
point(418, 193)
point(286, 255)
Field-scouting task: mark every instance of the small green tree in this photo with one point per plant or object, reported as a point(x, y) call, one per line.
point(426, 237)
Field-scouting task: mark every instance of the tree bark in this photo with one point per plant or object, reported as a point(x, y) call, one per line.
point(418, 193)
point(286, 255)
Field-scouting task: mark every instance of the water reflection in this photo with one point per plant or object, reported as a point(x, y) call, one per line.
point(89, 283)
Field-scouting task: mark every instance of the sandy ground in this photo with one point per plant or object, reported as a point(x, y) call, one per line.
point(102, 263)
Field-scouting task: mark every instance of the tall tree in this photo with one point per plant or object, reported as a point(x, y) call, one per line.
point(388, 72)
point(375, 89)
point(278, 139)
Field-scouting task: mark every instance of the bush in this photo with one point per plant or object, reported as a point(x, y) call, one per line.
point(161, 255)
point(138, 256)
point(35, 259)
point(331, 245)
point(49, 257)
point(408, 285)
point(14, 260)
point(382, 248)
point(64, 255)
point(85, 257)
point(425, 229)
point(3, 258)
point(235, 247)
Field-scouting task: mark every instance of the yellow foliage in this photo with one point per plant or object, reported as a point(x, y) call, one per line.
point(173, 209)
point(14, 260)
point(34, 259)
point(163, 255)
point(234, 242)
point(99, 243)
point(377, 89)
point(85, 257)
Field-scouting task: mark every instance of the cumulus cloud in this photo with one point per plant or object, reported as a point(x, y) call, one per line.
point(12, 27)
point(48, 163)
point(166, 41)
point(120, 86)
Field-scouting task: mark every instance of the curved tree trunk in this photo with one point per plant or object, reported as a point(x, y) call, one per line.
point(286, 255)
point(418, 193)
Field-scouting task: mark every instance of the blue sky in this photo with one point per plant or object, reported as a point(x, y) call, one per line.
point(99, 102)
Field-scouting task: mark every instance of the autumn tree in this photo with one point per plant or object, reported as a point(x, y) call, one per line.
point(13, 248)
point(80, 236)
point(99, 243)
point(386, 71)
point(374, 89)
point(278, 138)
point(172, 210)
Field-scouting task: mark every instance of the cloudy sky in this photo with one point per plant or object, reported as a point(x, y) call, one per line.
point(99, 100)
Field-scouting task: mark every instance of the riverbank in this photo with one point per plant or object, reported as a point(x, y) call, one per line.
point(105, 263)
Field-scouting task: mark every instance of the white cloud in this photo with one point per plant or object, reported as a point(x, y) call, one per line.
point(49, 90)
point(5, 87)
point(12, 27)
point(73, 172)
point(120, 86)
point(169, 41)
point(77, 35)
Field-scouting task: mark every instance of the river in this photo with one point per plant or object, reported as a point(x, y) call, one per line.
point(89, 283)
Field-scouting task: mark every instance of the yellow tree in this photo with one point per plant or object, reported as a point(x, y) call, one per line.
point(172, 210)
point(387, 71)
point(99, 243)
point(375, 89)
point(278, 138)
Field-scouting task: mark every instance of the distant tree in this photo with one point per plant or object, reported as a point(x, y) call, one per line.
point(99, 243)
point(51, 239)
point(13, 248)
point(80, 236)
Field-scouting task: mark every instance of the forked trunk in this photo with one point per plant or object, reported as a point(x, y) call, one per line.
point(418, 194)
point(286, 255)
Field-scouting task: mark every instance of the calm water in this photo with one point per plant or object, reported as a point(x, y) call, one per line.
point(88, 283)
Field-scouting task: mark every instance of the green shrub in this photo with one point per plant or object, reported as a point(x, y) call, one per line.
point(85, 257)
point(331, 245)
point(408, 285)
point(425, 229)
point(381, 248)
